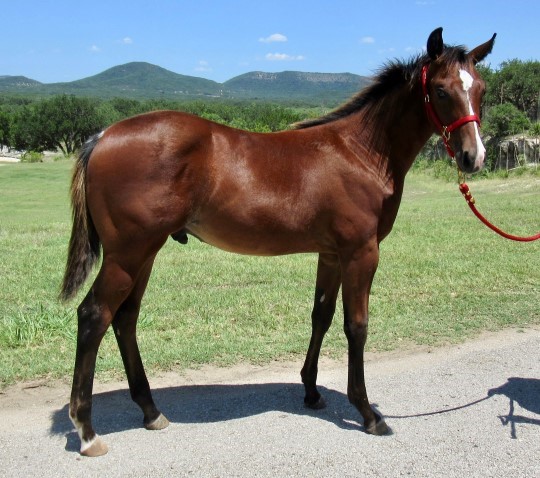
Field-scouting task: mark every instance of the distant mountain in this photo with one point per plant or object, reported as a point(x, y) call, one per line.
point(8, 83)
point(140, 80)
point(295, 85)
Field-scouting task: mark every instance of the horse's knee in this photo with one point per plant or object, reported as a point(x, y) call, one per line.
point(356, 331)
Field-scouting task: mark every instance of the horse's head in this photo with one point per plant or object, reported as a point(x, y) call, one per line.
point(454, 91)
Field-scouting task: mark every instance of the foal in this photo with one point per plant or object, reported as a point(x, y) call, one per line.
point(332, 186)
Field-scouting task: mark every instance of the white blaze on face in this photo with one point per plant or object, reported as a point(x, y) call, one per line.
point(467, 81)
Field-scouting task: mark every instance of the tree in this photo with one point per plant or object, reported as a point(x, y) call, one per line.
point(5, 129)
point(516, 82)
point(62, 122)
point(126, 107)
point(23, 127)
point(505, 119)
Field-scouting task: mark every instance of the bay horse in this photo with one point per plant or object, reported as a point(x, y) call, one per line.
point(330, 186)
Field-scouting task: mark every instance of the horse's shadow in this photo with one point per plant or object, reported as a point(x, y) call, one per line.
point(115, 412)
point(526, 393)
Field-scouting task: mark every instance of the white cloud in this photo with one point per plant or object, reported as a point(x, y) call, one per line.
point(203, 66)
point(275, 37)
point(94, 49)
point(284, 57)
point(367, 40)
point(127, 41)
point(412, 49)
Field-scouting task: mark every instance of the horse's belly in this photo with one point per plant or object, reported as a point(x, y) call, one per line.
point(257, 241)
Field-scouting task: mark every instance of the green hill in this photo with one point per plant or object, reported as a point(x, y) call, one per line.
point(295, 85)
point(18, 84)
point(139, 80)
point(143, 80)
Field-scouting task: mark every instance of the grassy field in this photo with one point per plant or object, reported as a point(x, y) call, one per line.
point(443, 277)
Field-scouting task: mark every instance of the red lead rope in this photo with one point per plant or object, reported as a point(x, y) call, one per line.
point(471, 203)
point(445, 133)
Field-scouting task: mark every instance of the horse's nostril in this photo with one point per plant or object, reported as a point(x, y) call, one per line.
point(467, 162)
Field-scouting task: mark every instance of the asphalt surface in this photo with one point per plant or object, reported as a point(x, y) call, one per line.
point(471, 410)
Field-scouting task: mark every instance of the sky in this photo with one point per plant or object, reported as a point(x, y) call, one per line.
point(66, 40)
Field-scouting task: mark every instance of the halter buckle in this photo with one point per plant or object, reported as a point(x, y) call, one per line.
point(445, 133)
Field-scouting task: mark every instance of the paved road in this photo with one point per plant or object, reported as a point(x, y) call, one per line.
point(466, 411)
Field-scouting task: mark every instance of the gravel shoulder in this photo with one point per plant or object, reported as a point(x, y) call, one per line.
point(467, 410)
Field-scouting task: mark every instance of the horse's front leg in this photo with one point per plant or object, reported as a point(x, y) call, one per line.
point(326, 291)
point(358, 270)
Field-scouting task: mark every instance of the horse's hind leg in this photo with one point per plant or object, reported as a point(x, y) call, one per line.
point(124, 325)
point(326, 291)
point(113, 285)
point(94, 317)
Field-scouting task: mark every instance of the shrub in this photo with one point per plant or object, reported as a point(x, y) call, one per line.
point(505, 119)
point(32, 157)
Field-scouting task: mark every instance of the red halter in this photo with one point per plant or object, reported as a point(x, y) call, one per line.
point(445, 133)
point(432, 115)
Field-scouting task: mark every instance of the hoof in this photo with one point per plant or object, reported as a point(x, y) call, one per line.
point(319, 404)
point(379, 428)
point(95, 447)
point(158, 424)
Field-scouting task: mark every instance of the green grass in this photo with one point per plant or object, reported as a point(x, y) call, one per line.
point(443, 277)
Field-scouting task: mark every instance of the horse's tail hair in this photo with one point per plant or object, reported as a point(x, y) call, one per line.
point(84, 244)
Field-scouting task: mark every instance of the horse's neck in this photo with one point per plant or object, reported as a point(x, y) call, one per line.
point(413, 130)
point(395, 133)
point(399, 130)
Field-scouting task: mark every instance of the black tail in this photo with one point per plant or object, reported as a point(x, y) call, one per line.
point(84, 244)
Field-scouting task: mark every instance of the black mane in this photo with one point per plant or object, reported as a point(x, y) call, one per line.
point(391, 77)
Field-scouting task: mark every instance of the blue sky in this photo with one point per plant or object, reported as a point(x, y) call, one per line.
point(65, 40)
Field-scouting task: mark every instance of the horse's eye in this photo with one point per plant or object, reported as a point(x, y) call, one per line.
point(441, 93)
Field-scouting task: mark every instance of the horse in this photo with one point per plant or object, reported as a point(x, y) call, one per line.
point(331, 186)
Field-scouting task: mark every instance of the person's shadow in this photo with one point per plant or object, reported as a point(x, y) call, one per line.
point(114, 411)
point(526, 393)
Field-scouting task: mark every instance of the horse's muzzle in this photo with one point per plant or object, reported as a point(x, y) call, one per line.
point(470, 161)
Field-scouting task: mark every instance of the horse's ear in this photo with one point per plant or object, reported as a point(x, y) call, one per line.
point(483, 50)
point(435, 44)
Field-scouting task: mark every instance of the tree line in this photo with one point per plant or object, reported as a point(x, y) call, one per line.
point(512, 101)
point(64, 122)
